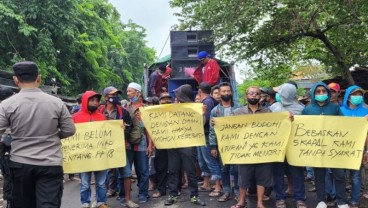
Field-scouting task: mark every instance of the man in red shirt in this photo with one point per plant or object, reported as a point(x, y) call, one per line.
point(208, 71)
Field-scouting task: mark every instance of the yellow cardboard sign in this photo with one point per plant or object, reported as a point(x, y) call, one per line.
point(97, 145)
point(174, 125)
point(255, 138)
point(327, 141)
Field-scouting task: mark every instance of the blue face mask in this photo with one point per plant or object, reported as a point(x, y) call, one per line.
point(278, 97)
point(133, 99)
point(356, 99)
point(321, 98)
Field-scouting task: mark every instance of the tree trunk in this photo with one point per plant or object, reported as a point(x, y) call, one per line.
point(339, 59)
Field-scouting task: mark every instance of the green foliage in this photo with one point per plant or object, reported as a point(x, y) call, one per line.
point(81, 43)
point(269, 34)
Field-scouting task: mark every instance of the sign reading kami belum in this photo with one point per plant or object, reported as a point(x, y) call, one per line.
point(97, 145)
point(255, 138)
point(327, 141)
point(174, 125)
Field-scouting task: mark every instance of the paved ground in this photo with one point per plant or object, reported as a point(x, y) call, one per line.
point(71, 199)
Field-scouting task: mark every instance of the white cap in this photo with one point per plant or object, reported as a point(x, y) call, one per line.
point(135, 86)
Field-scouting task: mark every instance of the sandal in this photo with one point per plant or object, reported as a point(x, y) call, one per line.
point(239, 206)
point(266, 198)
point(225, 197)
point(111, 194)
point(215, 194)
point(156, 195)
point(301, 204)
point(203, 189)
point(280, 204)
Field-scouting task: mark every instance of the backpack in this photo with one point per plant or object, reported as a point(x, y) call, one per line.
point(135, 136)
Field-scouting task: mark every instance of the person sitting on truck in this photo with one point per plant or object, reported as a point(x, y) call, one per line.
point(208, 71)
point(155, 82)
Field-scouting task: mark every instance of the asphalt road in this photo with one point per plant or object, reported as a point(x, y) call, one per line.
point(71, 199)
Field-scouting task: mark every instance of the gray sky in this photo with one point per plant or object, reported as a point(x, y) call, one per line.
point(155, 16)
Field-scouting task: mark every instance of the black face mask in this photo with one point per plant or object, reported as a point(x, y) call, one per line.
point(253, 101)
point(92, 108)
point(226, 98)
point(114, 100)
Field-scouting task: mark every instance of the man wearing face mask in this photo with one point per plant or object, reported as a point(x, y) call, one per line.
point(247, 172)
point(320, 96)
point(113, 111)
point(138, 151)
point(353, 106)
point(274, 100)
point(155, 83)
point(89, 113)
point(225, 108)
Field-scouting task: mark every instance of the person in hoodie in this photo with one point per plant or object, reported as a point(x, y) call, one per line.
point(185, 156)
point(89, 113)
point(225, 108)
point(287, 95)
point(353, 106)
point(209, 165)
point(320, 96)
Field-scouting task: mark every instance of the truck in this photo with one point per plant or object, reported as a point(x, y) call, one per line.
point(185, 46)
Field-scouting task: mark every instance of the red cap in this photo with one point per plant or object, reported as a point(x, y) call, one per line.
point(334, 86)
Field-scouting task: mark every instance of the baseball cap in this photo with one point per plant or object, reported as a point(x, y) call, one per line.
point(111, 90)
point(334, 86)
point(202, 55)
point(165, 95)
point(153, 100)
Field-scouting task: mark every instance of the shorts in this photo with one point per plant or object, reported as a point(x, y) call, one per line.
point(262, 173)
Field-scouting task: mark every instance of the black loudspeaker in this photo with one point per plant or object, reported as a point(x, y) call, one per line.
point(191, 52)
point(185, 46)
point(191, 37)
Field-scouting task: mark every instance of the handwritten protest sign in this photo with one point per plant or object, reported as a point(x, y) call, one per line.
point(327, 141)
point(256, 138)
point(97, 145)
point(174, 125)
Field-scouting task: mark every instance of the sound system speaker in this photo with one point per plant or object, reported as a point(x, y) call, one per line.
point(191, 37)
point(185, 46)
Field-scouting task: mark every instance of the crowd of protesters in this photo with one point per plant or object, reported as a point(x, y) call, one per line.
point(32, 124)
